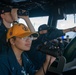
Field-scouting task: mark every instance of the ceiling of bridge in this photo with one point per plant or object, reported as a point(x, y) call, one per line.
point(43, 7)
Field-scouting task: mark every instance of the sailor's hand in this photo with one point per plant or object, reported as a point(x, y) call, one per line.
point(50, 59)
point(14, 14)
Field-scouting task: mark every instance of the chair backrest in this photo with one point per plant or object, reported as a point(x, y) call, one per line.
point(70, 50)
point(58, 65)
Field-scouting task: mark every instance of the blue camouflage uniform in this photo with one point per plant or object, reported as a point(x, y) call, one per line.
point(53, 33)
point(3, 43)
point(10, 66)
